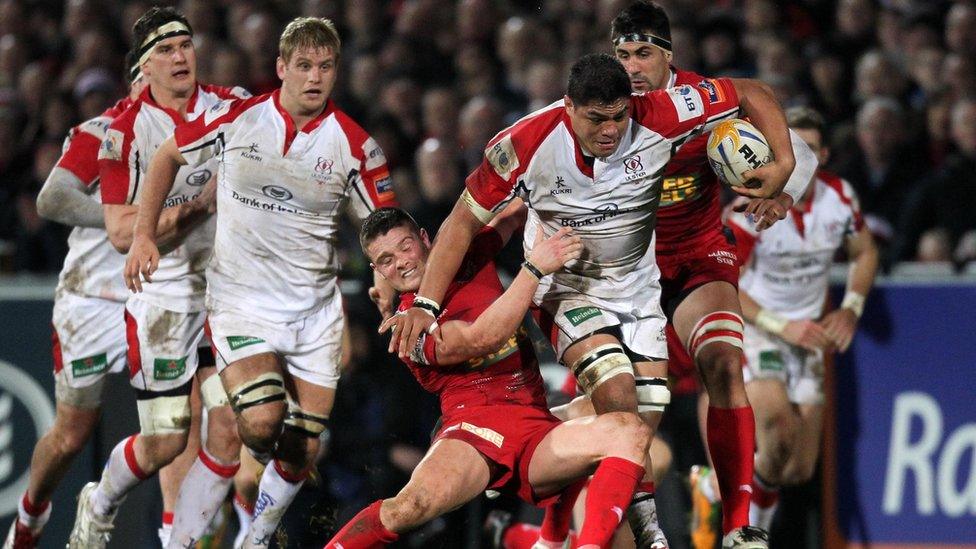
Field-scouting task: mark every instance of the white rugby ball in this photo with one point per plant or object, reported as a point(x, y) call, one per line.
point(735, 147)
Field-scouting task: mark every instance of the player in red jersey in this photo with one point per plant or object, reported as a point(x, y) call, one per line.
point(699, 267)
point(496, 430)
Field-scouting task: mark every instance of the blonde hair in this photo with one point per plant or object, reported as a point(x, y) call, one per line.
point(308, 33)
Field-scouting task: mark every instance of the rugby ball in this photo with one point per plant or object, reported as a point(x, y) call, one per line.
point(735, 147)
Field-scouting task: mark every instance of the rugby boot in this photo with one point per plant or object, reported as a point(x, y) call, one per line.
point(642, 517)
point(747, 537)
point(91, 531)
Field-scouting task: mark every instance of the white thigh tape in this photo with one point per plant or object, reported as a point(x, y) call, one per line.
point(164, 415)
point(212, 393)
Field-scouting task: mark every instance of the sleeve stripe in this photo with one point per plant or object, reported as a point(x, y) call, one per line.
point(354, 176)
point(219, 137)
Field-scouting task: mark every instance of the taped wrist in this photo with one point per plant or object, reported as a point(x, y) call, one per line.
point(427, 304)
point(771, 322)
point(853, 301)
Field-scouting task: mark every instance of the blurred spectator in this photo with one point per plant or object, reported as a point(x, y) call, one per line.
point(439, 180)
point(960, 29)
point(13, 58)
point(879, 75)
point(227, 64)
point(481, 119)
point(439, 108)
point(934, 246)
point(95, 91)
point(854, 26)
point(947, 201)
point(41, 244)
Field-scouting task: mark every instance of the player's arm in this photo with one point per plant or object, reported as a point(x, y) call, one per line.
point(841, 323)
point(174, 222)
point(510, 220)
point(66, 199)
point(459, 341)
point(143, 253)
point(757, 102)
point(770, 210)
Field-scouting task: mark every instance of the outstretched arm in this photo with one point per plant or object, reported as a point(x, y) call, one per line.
point(756, 101)
point(66, 199)
point(841, 323)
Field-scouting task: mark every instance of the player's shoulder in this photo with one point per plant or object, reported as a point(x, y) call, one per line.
point(347, 124)
point(533, 127)
point(224, 92)
point(837, 186)
point(690, 78)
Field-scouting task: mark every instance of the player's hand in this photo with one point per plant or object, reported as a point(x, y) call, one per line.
point(383, 302)
point(551, 254)
point(207, 199)
point(143, 259)
point(765, 181)
point(407, 327)
point(766, 211)
point(839, 325)
point(807, 334)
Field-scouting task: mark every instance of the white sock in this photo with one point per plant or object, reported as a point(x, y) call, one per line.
point(34, 522)
point(275, 494)
point(203, 490)
point(165, 531)
point(243, 511)
point(121, 474)
point(764, 502)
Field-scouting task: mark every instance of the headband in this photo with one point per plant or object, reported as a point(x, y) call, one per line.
point(641, 37)
point(135, 73)
point(166, 30)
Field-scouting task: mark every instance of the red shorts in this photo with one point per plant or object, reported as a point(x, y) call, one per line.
point(507, 435)
point(712, 260)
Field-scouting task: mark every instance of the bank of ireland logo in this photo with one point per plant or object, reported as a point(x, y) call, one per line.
point(276, 192)
point(198, 178)
point(20, 395)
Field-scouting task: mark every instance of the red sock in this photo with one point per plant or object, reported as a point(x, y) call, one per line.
point(167, 518)
point(609, 495)
point(521, 535)
point(364, 531)
point(731, 436)
point(763, 495)
point(559, 516)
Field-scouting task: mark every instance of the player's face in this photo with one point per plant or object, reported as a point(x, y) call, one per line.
point(307, 79)
point(400, 256)
point(647, 65)
point(172, 66)
point(599, 126)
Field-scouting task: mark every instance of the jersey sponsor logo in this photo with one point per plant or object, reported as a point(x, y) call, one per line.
point(89, 366)
point(502, 353)
point(502, 157)
point(485, 433)
point(252, 153)
point(580, 315)
point(165, 369)
point(277, 193)
point(384, 187)
point(111, 148)
point(714, 91)
point(323, 165)
point(561, 187)
point(771, 361)
point(603, 212)
point(216, 111)
point(198, 178)
point(679, 189)
point(374, 154)
point(687, 102)
point(236, 342)
point(729, 258)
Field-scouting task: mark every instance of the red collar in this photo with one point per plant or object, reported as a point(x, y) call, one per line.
point(797, 213)
point(290, 130)
point(178, 118)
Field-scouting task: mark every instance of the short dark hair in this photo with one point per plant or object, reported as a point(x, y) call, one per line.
point(154, 18)
point(382, 221)
point(805, 118)
point(597, 78)
point(640, 17)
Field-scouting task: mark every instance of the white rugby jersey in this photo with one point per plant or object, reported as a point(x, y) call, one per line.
point(281, 195)
point(92, 268)
point(179, 284)
point(790, 266)
point(610, 202)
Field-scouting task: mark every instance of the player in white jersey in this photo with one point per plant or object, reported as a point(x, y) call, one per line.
point(88, 327)
point(291, 163)
point(594, 162)
point(783, 291)
point(164, 328)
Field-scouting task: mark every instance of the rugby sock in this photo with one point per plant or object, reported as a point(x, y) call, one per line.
point(121, 474)
point(731, 434)
point(642, 513)
point(363, 531)
point(203, 490)
point(32, 515)
point(243, 509)
point(608, 495)
point(275, 493)
point(165, 531)
point(765, 499)
point(559, 516)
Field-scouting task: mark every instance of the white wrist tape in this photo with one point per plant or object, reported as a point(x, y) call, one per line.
point(771, 322)
point(853, 301)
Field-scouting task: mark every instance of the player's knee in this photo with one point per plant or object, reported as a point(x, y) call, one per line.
point(260, 407)
point(715, 344)
point(161, 449)
point(69, 441)
point(223, 440)
point(778, 432)
point(626, 435)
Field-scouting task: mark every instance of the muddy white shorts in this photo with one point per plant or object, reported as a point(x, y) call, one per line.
point(88, 342)
point(163, 345)
point(770, 357)
point(310, 347)
point(567, 316)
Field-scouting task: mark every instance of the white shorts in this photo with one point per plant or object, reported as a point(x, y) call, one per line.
point(770, 357)
point(567, 316)
point(310, 347)
point(88, 342)
point(163, 345)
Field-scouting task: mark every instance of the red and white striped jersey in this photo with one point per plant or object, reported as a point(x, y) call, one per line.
point(92, 268)
point(790, 261)
point(179, 284)
point(611, 202)
point(281, 195)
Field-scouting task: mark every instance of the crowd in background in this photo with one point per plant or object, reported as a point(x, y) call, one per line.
point(434, 80)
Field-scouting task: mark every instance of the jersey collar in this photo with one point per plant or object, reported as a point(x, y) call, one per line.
point(178, 119)
point(583, 161)
point(309, 127)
